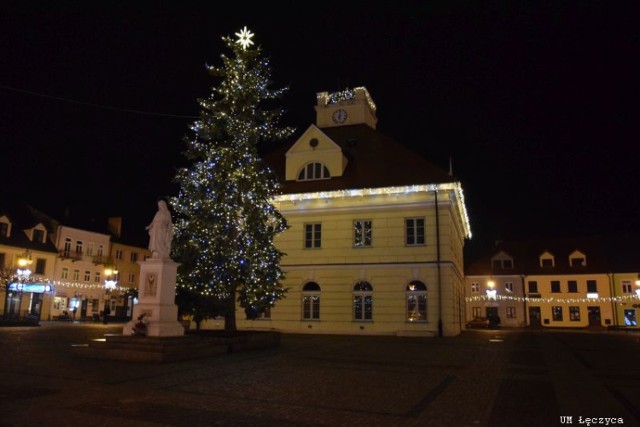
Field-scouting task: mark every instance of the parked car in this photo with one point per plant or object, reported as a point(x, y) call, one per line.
point(478, 322)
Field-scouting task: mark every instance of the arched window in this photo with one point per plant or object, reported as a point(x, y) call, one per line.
point(416, 301)
point(311, 301)
point(314, 171)
point(363, 301)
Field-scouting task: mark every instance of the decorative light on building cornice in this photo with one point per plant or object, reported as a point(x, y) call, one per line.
point(618, 299)
point(389, 191)
point(346, 95)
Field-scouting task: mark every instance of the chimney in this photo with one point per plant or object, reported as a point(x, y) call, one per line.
point(115, 225)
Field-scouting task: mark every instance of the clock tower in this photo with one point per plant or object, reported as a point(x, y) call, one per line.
point(348, 107)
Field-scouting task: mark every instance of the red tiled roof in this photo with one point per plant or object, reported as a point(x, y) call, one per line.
point(374, 161)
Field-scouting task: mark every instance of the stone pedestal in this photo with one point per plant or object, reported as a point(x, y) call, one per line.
point(156, 298)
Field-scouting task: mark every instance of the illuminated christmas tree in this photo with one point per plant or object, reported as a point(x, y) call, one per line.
point(225, 221)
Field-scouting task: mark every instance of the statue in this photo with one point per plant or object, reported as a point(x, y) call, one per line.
point(161, 232)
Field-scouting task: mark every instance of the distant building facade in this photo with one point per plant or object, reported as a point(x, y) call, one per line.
point(376, 233)
point(562, 283)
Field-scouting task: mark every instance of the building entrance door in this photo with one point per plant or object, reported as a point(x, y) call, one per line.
point(534, 316)
point(594, 316)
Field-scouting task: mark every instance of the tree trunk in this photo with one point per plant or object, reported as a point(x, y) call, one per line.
point(230, 327)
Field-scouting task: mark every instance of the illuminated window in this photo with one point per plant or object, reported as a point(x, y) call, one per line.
point(574, 313)
point(414, 231)
point(311, 301)
point(416, 294)
point(476, 311)
point(314, 171)
point(362, 233)
point(556, 313)
point(363, 301)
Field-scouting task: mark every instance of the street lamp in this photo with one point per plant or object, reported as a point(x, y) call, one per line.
point(491, 293)
point(110, 282)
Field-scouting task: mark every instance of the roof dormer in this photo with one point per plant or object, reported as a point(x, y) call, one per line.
point(547, 260)
point(577, 259)
point(5, 226)
point(314, 156)
point(501, 260)
point(37, 234)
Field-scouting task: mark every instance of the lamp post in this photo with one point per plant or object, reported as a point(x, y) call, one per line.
point(110, 282)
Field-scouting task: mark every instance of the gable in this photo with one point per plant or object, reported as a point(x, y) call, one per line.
point(314, 146)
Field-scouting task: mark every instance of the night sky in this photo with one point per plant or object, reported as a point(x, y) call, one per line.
point(535, 103)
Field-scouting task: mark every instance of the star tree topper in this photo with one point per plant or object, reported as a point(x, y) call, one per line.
point(244, 38)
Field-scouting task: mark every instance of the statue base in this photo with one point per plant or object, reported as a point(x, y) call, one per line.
point(156, 314)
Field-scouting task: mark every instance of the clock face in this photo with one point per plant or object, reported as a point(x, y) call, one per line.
point(339, 116)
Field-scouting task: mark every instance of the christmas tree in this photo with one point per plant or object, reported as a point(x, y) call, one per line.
point(225, 221)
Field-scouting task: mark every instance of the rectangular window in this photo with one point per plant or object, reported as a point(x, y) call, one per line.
point(65, 273)
point(79, 247)
point(363, 307)
point(572, 286)
point(546, 262)
point(511, 312)
point(574, 313)
point(362, 234)
point(41, 264)
point(97, 277)
point(100, 250)
point(76, 275)
point(592, 286)
point(312, 235)
point(496, 264)
point(555, 286)
point(477, 311)
point(4, 229)
point(630, 317)
point(311, 307)
point(119, 254)
point(90, 248)
point(475, 287)
point(626, 287)
point(415, 231)
point(577, 262)
point(132, 278)
point(556, 313)
point(134, 257)
point(38, 236)
point(507, 263)
point(87, 276)
point(533, 287)
point(508, 286)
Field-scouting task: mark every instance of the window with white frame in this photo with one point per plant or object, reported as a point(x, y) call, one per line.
point(511, 312)
point(626, 287)
point(314, 171)
point(65, 273)
point(362, 233)
point(311, 301)
point(119, 254)
point(475, 287)
point(416, 294)
point(79, 247)
point(508, 286)
point(312, 235)
point(363, 301)
point(76, 275)
point(476, 311)
point(133, 257)
point(97, 277)
point(414, 231)
point(87, 276)
point(574, 313)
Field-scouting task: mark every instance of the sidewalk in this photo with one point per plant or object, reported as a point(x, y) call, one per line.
point(482, 378)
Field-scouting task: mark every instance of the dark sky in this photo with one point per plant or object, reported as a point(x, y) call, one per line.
point(535, 102)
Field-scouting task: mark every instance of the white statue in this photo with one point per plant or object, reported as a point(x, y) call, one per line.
point(161, 232)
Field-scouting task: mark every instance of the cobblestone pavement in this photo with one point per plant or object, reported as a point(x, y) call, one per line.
point(481, 378)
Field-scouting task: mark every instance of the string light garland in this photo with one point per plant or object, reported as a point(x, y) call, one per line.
point(554, 300)
point(456, 187)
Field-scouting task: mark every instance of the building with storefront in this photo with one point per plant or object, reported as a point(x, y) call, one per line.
point(376, 232)
point(562, 283)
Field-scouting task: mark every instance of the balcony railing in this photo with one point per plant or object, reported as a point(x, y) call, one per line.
point(75, 256)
